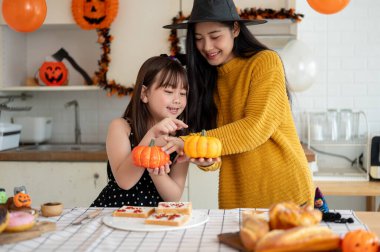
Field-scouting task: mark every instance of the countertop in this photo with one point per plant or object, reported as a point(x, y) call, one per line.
point(94, 235)
point(22, 154)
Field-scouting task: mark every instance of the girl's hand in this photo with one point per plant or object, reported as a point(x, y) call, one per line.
point(162, 170)
point(205, 161)
point(173, 144)
point(167, 126)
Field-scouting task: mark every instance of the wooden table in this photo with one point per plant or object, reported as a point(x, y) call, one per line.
point(371, 219)
point(369, 189)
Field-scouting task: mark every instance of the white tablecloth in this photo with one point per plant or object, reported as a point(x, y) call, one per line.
point(93, 235)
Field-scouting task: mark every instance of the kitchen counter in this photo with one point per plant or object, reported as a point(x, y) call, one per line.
point(35, 153)
point(94, 235)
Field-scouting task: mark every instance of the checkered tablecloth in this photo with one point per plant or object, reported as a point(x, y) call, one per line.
point(93, 235)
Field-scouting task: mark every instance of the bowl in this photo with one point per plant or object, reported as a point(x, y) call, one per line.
point(51, 209)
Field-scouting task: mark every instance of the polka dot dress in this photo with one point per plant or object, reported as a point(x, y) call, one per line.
point(144, 193)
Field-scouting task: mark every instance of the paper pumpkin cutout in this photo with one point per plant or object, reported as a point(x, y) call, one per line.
point(94, 14)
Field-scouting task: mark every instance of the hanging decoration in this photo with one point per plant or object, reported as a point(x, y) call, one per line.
point(94, 14)
point(99, 14)
point(104, 39)
point(328, 6)
point(247, 13)
point(24, 15)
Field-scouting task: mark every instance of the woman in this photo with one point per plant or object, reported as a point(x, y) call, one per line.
point(238, 94)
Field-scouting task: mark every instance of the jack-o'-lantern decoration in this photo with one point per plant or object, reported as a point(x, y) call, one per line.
point(94, 14)
point(22, 200)
point(53, 73)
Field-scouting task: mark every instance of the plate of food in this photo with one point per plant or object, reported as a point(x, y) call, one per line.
point(149, 219)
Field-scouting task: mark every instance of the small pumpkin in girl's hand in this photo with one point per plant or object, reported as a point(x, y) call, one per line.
point(360, 240)
point(203, 146)
point(149, 156)
point(22, 200)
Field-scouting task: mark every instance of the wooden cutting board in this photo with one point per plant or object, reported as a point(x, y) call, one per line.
point(232, 240)
point(36, 231)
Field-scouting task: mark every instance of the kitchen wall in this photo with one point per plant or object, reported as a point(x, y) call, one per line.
point(345, 46)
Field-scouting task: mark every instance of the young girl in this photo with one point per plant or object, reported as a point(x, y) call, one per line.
point(238, 93)
point(156, 110)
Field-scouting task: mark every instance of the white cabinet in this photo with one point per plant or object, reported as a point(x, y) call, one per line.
point(74, 184)
point(203, 188)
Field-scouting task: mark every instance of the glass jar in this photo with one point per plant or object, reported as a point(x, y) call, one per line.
point(332, 125)
point(317, 126)
point(345, 128)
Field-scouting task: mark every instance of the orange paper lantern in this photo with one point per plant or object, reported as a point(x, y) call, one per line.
point(24, 15)
point(328, 6)
point(53, 73)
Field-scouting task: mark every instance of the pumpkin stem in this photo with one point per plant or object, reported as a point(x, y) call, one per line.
point(151, 142)
point(203, 132)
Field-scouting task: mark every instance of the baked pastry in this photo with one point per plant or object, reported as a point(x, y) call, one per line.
point(254, 227)
point(288, 215)
point(20, 221)
point(174, 207)
point(4, 218)
point(167, 219)
point(133, 211)
point(313, 238)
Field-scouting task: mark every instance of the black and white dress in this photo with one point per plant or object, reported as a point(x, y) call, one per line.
point(144, 193)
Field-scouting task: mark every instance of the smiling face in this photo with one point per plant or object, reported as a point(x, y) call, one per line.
point(164, 101)
point(215, 41)
point(92, 14)
point(53, 73)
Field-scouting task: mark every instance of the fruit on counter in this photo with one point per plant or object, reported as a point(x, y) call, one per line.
point(202, 146)
point(360, 240)
point(149, 156)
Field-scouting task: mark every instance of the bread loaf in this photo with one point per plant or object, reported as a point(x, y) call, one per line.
point(313, 238)
point(288, 215)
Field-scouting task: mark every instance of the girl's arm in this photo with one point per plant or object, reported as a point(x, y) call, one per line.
point(170, 186)
point(119, 154)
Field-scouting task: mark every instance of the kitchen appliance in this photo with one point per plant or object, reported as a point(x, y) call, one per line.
point(375, 158)
point(9, 136)
point(34, 129)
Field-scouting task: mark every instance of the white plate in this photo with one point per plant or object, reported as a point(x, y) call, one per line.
point(137, 224)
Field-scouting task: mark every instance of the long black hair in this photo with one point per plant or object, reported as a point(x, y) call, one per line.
point(203, 77)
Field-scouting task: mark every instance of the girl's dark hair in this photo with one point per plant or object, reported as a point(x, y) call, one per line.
point(203, 76)
point(167, 72)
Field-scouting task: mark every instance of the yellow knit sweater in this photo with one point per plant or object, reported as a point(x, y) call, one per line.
point(262, 159)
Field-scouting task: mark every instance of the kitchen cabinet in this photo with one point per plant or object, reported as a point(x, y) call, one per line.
point(72, 183)
point(75, 184)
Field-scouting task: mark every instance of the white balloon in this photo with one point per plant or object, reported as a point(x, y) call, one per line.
point(300, 66)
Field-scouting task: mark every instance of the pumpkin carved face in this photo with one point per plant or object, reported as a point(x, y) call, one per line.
point(94, 14)
point(22, 200)
point(53, 73)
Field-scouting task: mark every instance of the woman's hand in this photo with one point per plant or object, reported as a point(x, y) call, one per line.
point(159, 171)
point(205, 161)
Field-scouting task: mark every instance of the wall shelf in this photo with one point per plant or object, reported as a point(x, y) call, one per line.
point(49, 88)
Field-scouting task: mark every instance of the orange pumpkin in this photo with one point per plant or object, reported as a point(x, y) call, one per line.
point(149, 156)
point(22, 200)
point(360, 240)
point(53, 73)
point(94, 14)
point(328, 6)
point(201, 146)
